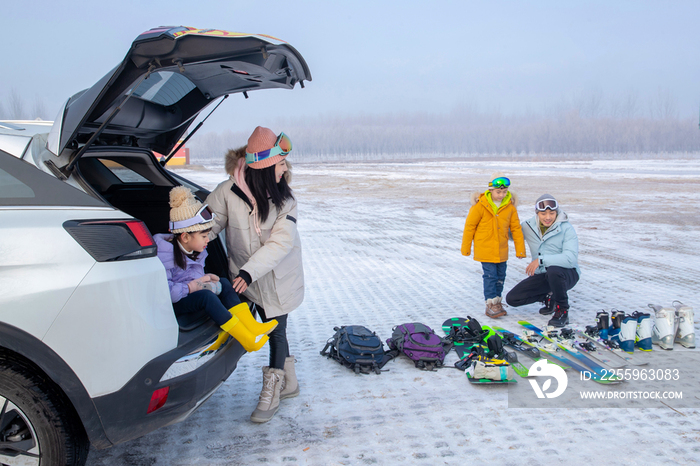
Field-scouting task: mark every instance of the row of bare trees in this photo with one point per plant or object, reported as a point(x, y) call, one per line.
point(14, 107)
point(468, 133)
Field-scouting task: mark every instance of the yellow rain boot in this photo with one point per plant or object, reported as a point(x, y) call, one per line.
point(242, 311)
point(221, 339)
point(243, 335)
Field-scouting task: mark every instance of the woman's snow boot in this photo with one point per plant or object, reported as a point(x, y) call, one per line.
point(242, 311)
point(548, 305)
point(269, 400)
point(290, 387)
point(560, 317)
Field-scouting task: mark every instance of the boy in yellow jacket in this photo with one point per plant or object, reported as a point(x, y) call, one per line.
point(491, 216)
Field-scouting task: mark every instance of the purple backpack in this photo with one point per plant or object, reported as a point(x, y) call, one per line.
point(420, 344)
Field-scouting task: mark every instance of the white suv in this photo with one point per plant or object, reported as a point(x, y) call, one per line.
point(90, 349)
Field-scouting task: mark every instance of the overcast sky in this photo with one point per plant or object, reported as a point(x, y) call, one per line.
point(369, 57)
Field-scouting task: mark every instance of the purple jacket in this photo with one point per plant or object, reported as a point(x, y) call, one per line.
point(178, 278)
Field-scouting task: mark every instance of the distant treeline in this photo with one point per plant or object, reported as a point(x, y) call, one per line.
point(469, 134)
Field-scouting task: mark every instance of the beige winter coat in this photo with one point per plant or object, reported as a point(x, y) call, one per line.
point(273, 259)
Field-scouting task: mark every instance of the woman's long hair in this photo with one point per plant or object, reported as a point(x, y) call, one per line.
point(263, 186)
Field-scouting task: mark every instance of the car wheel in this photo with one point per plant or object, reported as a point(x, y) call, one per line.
point(37, 425)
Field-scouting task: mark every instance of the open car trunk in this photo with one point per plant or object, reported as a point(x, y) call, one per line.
point(133, 182)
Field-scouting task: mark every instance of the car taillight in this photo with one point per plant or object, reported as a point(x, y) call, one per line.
point(113, 240)
point(158, 399)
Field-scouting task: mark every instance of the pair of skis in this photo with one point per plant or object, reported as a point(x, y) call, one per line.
point(581, 362)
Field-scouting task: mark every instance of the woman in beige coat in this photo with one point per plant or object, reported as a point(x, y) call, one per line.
point(257, 209)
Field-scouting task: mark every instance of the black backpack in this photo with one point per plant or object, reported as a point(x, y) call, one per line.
point(357, 348)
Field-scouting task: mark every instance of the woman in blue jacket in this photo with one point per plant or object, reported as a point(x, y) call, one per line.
point(554, 270)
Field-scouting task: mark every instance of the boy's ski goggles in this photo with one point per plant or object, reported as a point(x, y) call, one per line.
point(500, 182)
point(545, 204)
point(204, 215)
point(283, 146)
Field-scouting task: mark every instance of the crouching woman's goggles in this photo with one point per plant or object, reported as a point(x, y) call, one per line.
point(204, 215)
point(545, 204)
point(283, 146)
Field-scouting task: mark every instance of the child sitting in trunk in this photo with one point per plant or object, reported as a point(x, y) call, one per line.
point(191, 290)
point(490, 218)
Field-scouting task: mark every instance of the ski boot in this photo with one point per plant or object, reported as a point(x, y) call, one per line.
point(685, 335)
point(628, 332)
point(548, 307)
point(617, 317)
point(602, 319)
point(664, 324)
point(642, 337)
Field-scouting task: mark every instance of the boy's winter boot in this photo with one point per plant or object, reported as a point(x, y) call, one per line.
point(491, 311)
point(642, 337)
point(616, 318)
point(628, 332)
point(548, 307)
point(237, 330)
point(290, 386)
point(685, 335)
point(602, 320)
point(498, 305)
point(560, 317)
point(269, 396)
point(242, 311)
point(662, 332)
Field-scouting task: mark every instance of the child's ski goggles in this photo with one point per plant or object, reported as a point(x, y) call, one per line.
point(500, 182)
point(545, 204)
point(283, 146)
point(204, 215)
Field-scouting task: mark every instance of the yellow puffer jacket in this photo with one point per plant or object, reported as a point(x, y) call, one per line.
point(489, 230)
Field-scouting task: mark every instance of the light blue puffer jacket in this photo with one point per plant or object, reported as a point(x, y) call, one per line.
point(558, 247)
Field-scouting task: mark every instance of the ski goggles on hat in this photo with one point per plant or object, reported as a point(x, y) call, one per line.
point(283, 146)
point(204, 215)
point(545, 204)
point(500, 182)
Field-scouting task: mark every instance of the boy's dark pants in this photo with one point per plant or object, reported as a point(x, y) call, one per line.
point(557, 280)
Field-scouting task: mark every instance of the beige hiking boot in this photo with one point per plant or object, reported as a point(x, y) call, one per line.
point(290, 386)
point(269, 396)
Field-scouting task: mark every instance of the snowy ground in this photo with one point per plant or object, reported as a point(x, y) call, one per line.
point(381, 247)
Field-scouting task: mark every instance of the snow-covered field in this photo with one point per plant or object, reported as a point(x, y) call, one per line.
point(381, 247)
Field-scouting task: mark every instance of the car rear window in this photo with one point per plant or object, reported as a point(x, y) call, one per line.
point(164, 88)
point(22, 184)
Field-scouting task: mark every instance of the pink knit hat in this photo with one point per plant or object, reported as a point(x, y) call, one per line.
point(263, 139)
